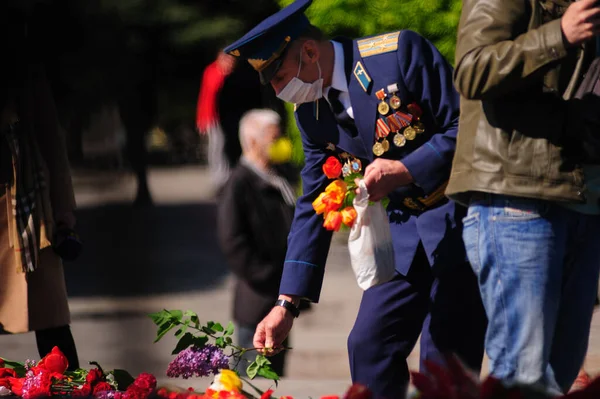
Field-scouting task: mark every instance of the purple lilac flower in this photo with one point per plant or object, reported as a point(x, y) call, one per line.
point(105, 395)
point(200, 362)
point(29, 364)
point(33, 383)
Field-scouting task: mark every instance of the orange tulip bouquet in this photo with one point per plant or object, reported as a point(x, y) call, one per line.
point(336, 202)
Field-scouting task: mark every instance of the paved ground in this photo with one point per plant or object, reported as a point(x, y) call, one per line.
point(137, 261)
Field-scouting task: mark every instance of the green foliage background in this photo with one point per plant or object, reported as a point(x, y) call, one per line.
point(437, 20)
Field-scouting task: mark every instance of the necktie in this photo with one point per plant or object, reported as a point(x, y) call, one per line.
point(339, 111)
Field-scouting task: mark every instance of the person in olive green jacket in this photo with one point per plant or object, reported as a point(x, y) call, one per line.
point(532, 227)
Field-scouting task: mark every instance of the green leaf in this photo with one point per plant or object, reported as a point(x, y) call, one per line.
point(160, 317)
point(200, 341)
point(252, 370)
point(229, 330)
point(228, 340)
point(261, 360)
point(385, 201)
point(179, 333)
point(122, 378)
point(176, 315)
point(184, 342)
point(18, 367)
point(163, 329)
point(217, 327)
point(350, 195)
point(267, 372)
point(190, 314)
point(220, 342)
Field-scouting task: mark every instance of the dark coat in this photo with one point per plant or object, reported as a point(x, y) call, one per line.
point(253, 225)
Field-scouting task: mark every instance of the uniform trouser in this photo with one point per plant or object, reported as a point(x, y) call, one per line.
point(537, 264)
point(445, 309)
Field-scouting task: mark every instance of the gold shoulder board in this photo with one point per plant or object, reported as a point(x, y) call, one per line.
point(378, 44)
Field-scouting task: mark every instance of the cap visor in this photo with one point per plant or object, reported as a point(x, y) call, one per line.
point(269, 72)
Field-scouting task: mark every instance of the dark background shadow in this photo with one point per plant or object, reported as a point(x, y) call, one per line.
point(132, 251)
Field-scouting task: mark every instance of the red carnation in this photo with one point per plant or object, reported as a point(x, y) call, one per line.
point(358, 391)
point(101, 387)
point(85, 390)
point(94, 376)
point(145, 381)
point(267, 394)
point(16, 385)
point(332, 168)
point(54, 362)
point(6, 372)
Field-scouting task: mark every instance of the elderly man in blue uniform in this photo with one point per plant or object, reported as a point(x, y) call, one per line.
point(384, 105)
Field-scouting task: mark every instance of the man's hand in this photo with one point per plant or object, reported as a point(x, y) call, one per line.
point(384, 175)
point(274, 328)
point(581, 21)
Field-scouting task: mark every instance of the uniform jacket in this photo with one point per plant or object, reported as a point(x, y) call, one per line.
point(422, 76)
point(519, 125)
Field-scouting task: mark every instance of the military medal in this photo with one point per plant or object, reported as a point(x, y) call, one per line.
point(346, 169)
point(404, 117)
point(410, 133)
point(399, 140)
point(378, 149)
point(394, 124)
point(382, 128)
point(386, 145)
point(395, 101)
point(419, 127)
point(330, 147)
point(355, 165)
point(383, 108)
point(414, 109)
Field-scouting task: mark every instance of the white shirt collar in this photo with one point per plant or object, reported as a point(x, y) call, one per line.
point(339, 80)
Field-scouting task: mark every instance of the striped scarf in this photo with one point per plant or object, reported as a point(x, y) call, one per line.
point(27, 193)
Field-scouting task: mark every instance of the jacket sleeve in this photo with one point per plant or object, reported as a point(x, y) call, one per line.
point(308, 241)
point(235, 238)
point(428, 77)
point(495, 52)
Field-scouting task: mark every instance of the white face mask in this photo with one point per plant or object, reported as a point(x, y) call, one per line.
point(299, 92)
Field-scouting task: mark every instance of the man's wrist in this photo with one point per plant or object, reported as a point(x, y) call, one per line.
point(403, 173)
point(294, 299)
point(288, 306)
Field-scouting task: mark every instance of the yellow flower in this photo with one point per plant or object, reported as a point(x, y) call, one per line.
point(226, 380)
point(318, 205)
point(337, 186)
point(348, 216)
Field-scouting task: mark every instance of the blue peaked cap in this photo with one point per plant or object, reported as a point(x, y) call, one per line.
point(265, 45)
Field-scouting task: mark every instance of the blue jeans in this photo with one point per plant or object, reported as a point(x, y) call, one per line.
point(537, 264)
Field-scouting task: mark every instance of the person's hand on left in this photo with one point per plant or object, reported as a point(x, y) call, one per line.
point(384, 175)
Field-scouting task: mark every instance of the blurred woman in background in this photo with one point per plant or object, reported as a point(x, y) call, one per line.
point(36, 195)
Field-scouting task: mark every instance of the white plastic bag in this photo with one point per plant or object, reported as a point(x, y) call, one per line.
point(370, 242)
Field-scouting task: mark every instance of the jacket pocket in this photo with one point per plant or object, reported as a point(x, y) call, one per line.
point(471, 238)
